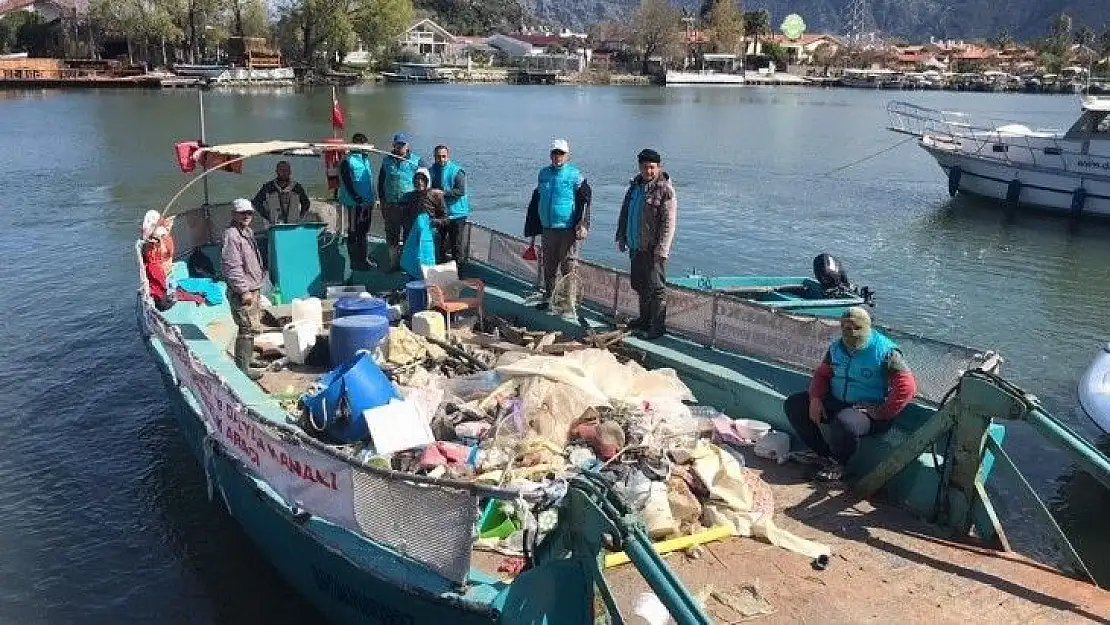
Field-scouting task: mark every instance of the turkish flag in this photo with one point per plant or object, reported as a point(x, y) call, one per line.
point(336, 112)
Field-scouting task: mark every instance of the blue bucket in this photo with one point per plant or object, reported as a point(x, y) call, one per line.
point(357, 385)
point(352, 333)
point(354, 306)
point(417, 293)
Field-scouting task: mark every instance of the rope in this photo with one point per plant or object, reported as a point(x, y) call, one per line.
point(869, 157)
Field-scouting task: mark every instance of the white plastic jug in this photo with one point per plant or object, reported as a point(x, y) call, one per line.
point(309, 309)
point(299, 336)
point(430, 323)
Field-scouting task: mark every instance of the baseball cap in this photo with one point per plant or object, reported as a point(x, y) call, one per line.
point(400, 138)
point(560, 145)
point(243, 206)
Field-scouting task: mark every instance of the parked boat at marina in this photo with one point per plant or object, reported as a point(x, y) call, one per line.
point(416, 72)
point(738, 357)
point(1094, 389)
point(1059, 171)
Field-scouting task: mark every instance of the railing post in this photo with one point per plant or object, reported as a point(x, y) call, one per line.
point(616, 294)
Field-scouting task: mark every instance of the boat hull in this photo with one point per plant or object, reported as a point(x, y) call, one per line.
point(400, 78)
point(307, 553)
point(1041, 188)
point(1094, 390)
point(787, 294)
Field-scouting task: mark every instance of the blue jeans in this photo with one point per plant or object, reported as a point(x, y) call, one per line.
point(846, 426)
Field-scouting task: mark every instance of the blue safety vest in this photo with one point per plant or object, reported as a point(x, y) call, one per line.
point(557, 186)
point(457, 207)
point(362, 176)
point(397, 179)
point(858, 378)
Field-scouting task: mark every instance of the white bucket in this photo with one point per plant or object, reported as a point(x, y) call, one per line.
point(309, 309)
point(751, 430)
point(300, 336)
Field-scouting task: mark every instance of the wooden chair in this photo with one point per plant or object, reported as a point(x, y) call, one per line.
point(448, 293)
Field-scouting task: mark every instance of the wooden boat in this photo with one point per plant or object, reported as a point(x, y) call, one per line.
point(207, 71)
point(793, 294)
point(314, 512)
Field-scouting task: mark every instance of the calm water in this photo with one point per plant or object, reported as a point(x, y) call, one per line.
point(105, 513)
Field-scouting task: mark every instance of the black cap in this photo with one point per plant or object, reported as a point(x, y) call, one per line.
point(649, 156)
point(359, 138)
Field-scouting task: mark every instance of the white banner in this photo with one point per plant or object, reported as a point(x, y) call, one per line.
point(302, 476)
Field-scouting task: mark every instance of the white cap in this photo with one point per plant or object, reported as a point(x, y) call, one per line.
point(424, 171)
point(560, 145)
point(243, 206)
point(150, 222)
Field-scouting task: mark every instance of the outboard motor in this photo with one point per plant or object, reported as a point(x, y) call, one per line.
point(828, 271)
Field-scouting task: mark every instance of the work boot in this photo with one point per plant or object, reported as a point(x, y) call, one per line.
point(244, 351)
point(655, 325)
point(356, 250)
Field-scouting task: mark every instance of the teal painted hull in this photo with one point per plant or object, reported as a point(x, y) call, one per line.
point(315, 557)
point(793, 294)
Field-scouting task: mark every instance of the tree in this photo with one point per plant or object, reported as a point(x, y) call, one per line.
point(380, 22)
point(655, 30)
point(1060, 36)
point(1002, 40)
point(757, 24)
point(725, 26)
point(309, 24)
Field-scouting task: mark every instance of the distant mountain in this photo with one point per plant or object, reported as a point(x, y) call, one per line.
point(912, 19)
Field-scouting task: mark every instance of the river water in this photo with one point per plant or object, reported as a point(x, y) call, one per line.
point(105, 513)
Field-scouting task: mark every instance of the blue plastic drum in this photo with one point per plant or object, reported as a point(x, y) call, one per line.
point(353, 306)
point(417, 293)
point(352, 333)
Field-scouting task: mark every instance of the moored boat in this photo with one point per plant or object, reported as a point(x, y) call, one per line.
point(1066, 172)
point(316, 514)
point(827, 294)
point(416, 73)
point(1094, 389)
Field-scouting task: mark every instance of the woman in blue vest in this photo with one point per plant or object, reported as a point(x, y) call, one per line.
point(560, 213)
point(356, 196)
point(448, 177)
point(394, 181)
point(860, 387)
point(424, 211)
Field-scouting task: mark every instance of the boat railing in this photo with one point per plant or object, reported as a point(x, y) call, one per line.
point(992, 140)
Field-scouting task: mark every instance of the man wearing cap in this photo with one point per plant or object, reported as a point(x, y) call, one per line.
point(394, 181)
point(356, 195)
point(448, 177)
point(275, 199)
point(859, 388)
point(242, 269)
point(645, 229)
point(560, 212)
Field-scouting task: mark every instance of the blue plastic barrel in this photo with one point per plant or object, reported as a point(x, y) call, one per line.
point(362, 384)
point(352, 333)
point(417, 293)
point(353, 306)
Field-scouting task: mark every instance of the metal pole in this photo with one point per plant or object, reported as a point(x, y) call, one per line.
point(1079, 451)
point(203, 136)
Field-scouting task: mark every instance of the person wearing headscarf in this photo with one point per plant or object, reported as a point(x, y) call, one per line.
point(424, 211)
point(859, 389)
point(645, 229)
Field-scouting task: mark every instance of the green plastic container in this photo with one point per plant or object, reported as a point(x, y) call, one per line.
point(494, 523)
point(295, 267)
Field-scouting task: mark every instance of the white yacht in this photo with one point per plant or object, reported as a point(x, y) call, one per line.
point(1068, 171)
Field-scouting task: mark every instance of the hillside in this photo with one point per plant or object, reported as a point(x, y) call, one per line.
point(915, 19)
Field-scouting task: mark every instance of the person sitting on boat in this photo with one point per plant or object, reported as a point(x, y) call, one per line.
point(394, 181)
point(156, 275)
point(356, 196)
point(451, 179)
point(559, 212)
point(424, 212)
point(859, 388)
point(242, 269)
point(274, 200)
point(645, 229)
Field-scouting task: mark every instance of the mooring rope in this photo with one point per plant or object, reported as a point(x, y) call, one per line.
point(868, 157)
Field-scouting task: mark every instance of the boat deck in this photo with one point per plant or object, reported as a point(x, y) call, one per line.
point(886, 566)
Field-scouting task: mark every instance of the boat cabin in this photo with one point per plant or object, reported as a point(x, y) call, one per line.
point(1094, 123)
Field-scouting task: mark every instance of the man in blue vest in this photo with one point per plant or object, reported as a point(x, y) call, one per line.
point(858, 390)
point(560, 213)
point(394, 181)
point(356, 195)
point(448, 177)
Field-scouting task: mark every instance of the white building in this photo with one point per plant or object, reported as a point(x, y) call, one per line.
point(48, 10)
point(427, 38)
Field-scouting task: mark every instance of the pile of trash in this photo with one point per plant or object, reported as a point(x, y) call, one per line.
point(522, 411)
